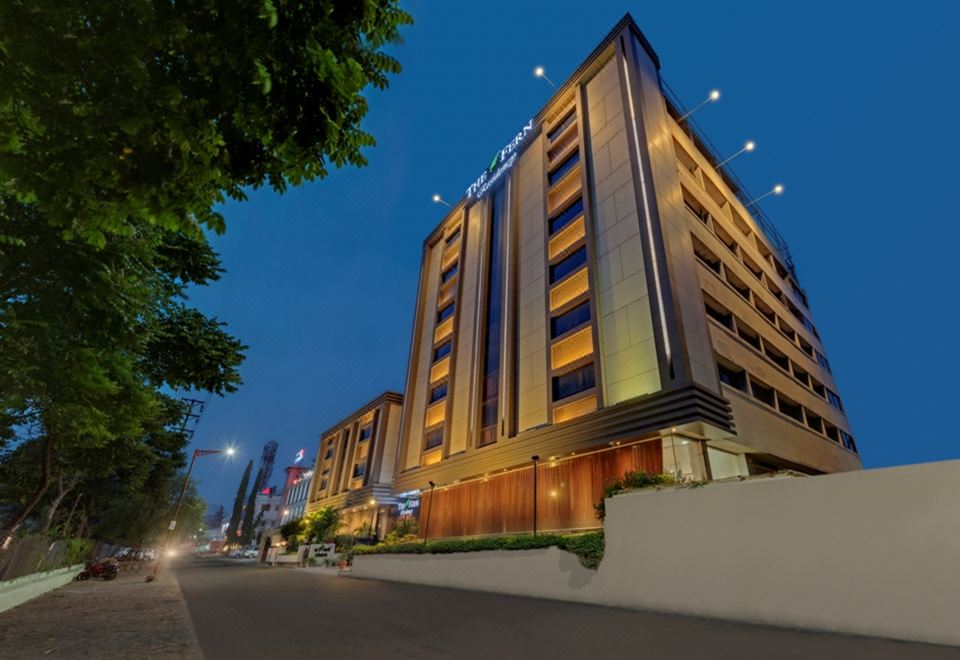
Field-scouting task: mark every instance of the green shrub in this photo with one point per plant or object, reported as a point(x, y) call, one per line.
point(632, 481)
point(78, 551)
point(588, 547)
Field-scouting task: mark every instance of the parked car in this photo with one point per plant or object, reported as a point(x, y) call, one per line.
point(251, 553)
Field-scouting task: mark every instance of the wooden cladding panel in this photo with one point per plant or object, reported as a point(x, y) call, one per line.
point(566, 494)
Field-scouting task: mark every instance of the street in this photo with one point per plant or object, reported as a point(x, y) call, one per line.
point(246, 610)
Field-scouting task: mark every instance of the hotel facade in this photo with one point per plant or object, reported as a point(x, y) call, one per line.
point(604, 299)
point(356, 464)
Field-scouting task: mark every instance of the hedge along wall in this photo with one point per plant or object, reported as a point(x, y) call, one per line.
point(871, 552)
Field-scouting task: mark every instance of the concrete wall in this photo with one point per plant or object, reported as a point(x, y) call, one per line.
point(872, 553)
point(20, 590)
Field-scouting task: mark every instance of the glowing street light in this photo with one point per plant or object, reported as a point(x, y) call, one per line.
point(714, 95)
point(197, 453)
point(540, 73)
point(748, 146)
point(776, 190)
point(437, 199)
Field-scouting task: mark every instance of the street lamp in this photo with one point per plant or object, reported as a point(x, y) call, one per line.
point(748, 146)
point(437, 199)
point(426, 526)
point(776, 190)
point(714, 95)
point(535, 458)
point(540, 73)
point(229, 451)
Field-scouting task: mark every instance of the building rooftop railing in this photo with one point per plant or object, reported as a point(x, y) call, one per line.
point(696, 134)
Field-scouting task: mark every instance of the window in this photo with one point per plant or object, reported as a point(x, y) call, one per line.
point(718, 312)
point(822, 361)
point(568, 164)
point(763, 393)
point(365, 433)
point(442, 351)
point(490, 388)
point(433, 439)
point(559, 128)
point(438, 392)
point(753, 267)
point(781, 269)
point(454, 236)
point(573, 382)
point(560, 270)
point(788, 331)
point(847, 440)
point(748, 334)
point(790, 408)
point(359, 470)
point(446, 312)
point(738, 285)
point(815, 422)
point(725, 238)
point(818, 388)
point(732, 375)
point(831, 431)
point(449, 274)
point(765, 309)
point(804, 345)
point(703, 253)
point(569, 320)
point(566, 216)
point(834, 400)
point(329, 453)
point(323, 485)
point(801, 375)
point(778, 358)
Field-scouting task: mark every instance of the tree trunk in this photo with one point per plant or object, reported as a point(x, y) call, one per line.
point(18, 518)
point(62, 490)
point(73, 510)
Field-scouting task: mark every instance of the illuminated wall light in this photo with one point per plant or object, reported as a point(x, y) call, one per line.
point(646, 208)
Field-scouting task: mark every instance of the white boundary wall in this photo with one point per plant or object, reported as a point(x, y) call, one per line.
point(874, 552)
point(20, 590)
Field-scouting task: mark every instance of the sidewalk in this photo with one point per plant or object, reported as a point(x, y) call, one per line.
point(125, 618)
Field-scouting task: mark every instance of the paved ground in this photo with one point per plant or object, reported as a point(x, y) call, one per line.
point(125, 618)
point(243, 610)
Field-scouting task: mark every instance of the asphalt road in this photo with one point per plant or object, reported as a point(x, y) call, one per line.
point(244, 610)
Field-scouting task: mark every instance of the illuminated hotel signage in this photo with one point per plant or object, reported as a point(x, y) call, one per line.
point(500, 165)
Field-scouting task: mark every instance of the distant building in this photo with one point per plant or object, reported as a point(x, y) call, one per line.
point(296, 491)
point(215, 519)
point(268, 510)
point(355, 465)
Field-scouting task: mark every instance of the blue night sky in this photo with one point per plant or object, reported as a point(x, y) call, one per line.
point(321, 282)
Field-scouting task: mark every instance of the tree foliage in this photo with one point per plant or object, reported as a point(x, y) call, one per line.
point(321, 525)
point(159, 110)
point(236, 515)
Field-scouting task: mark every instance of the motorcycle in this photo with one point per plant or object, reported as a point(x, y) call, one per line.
point(107, 569)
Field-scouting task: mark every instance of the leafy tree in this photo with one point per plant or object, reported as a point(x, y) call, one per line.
point(238, 504)
point(290, 531)
point(159, 110)
point(79, 334)
point(321, 525)
point(250, 511)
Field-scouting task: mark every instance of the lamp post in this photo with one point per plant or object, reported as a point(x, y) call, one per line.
point(176, 510)
point(540, 73)
point(714, 95)
point(776, 190)
point(426, 526)
point(437, 199)
point(749, 146)
point(535, 458)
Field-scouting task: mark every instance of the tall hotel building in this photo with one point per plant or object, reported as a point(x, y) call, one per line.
point(605, 299)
